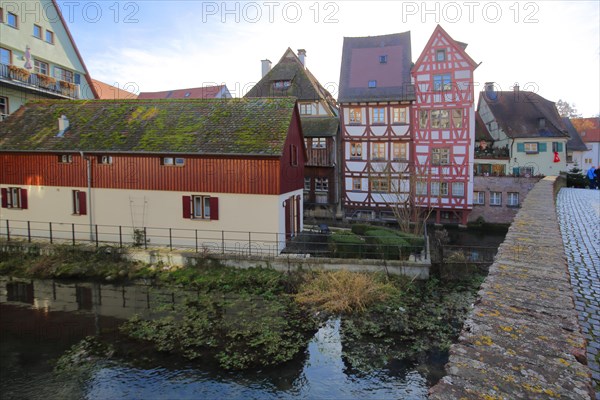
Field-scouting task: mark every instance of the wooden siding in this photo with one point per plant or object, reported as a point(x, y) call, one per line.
point(145, 172)
point(292, 166)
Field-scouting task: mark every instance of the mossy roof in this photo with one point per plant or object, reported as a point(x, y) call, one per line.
point(257, 126)
point(319, 126)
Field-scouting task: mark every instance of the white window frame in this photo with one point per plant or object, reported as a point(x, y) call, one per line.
point(203, 211)
point(321, 184)
point(41, 67)
point(512, 199)
point(440, 156)
point(531, 147)
point(105, 160)
point(65, 159)
point(306, 108)
point(458, 189)
point(307, 183)
point(13, 197)
point(479, 198)
point(399, 115)
point(421, 188)
point(356, 150)
point(319, 143)
point(495, 199)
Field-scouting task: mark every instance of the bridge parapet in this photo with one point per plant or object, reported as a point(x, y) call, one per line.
point(522, 338)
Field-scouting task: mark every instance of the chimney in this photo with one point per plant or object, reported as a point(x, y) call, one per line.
point(490, 92)
point(63, 125)
point(516, 87)
point(302, 56)
point(266, 67)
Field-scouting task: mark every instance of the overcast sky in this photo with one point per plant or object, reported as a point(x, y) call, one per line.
point(550, 47)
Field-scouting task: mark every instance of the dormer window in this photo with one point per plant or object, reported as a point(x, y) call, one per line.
point(282, 84)
point(372, 84)
point(542, 123)
point(306, 109)
point(440, 55)
point(383, 59)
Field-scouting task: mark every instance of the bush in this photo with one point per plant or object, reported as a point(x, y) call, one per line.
point(386, 244)
point(343, 291)
point(361, 229)
point(343, 244)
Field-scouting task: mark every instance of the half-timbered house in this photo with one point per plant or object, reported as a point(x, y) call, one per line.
point(320, 126)
point(375, 96)
point(444, 128)
point(200, 168)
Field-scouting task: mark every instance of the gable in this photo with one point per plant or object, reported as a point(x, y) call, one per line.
point(455, 52)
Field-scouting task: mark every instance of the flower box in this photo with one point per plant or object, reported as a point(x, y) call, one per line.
point(46, 81)
point(18, 73)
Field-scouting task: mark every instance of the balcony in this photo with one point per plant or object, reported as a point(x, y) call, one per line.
point(498, 153)
point(37, 83)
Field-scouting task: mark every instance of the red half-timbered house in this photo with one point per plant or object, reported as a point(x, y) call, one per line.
point(375, 97)
point(443, 126)
point(191, 165)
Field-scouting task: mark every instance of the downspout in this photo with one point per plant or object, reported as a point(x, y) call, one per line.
point(89, 193)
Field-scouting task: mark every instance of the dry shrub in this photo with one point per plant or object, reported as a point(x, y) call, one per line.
point(343, 291)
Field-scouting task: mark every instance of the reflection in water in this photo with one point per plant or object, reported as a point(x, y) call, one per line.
point(40, 320)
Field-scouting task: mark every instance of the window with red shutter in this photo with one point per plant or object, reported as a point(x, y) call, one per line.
point(4, 198)
point(23, 201)
point(214, 208)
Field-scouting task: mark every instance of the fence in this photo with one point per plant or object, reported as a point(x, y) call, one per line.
point(237, 243)
point(206, 241)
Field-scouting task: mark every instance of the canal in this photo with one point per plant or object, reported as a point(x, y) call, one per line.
point(41, 319)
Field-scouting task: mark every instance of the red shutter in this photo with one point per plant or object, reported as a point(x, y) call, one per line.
point(186, 202)
point(214, 208)
point(82, 203)
point(4, 198)
point(24, 199)
point(286, 213)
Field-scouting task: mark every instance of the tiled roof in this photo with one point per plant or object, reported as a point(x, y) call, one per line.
point(481, 130)
point(205, 92)
point(574, 143)
point(108, 92)
point(206, 126)
point(518, 114)
point(303, 84)
point(319, 126)
point(588, 128)
point(361, 64)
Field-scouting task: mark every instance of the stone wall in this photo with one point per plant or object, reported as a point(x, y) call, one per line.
point(502, 214)
point(522, 340)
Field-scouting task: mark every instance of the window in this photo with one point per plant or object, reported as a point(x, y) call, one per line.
point(63, 74)
point(442, 83)
point(423, 118)
point(172, 161)
point(200, 207)
point(557, 146)
point(306, 109)
point(458, 189)
point(50, 37)
point(440, 55)
point(355, 115)
point(440, 119)
point(282, 84)
point(321, 184)
point(79, 203)
point(435, 188)
point(378, 151)
point(105, 160)
point(40, 67)
point(356, 150)
point(65, 158)
point(513, 199)
point(440, 156)
point(421, 188)
point(381, 185)
point(378, 115)
point(399, 151)
point(457, 116)
point(319, 143)
point(3, 107)
point(12, 20)
point(523, 171)
point(37, 31)
point(478, 197)
point(383, 59)
point(14, 197)
point(306, 184)
point(356, 184)
point(495, 198)
point(5, 56)
point(531, 147)
point(399, 115)
point(293, 155)
point(372, 84)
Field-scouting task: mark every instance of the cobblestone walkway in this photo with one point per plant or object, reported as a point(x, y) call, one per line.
point(579, 217)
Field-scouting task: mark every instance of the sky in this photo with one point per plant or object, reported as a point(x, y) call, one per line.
point(549, 47)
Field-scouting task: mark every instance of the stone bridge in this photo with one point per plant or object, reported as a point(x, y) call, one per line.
point(534, 332)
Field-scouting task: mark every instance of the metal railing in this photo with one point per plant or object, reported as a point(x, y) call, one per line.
point(32, 80)
point(201, 241)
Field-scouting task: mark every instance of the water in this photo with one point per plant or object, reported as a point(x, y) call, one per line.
point(40, 320)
